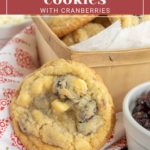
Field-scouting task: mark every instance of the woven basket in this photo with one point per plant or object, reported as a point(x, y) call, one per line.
point(120, 70)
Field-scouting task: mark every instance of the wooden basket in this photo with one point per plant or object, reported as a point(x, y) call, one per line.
point(120, 70)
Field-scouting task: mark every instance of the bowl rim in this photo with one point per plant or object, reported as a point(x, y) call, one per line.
point(127, 113)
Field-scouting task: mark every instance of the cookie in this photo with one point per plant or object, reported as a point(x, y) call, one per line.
point(126, 20)
point(129, 20)
point(145, 18)
point(103, 20)
point(82, 33)
point(63, 25)
point(63, 106)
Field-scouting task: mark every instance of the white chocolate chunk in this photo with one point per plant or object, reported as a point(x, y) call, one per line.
point(37, 115)
point(24, 100)
point(81, 144)
point(79, 86)
point(59, 106)
point(41, 84)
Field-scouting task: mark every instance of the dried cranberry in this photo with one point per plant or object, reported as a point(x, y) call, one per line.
point(140, 101)
point(141, 112)
point(140, 115)
point(138, 108)
point(148, 113)
point(147, 124)
point(148, 103)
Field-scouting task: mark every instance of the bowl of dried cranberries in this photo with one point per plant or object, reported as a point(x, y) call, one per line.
point(136, 111)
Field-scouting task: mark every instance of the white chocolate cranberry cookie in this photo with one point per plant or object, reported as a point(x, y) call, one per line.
point(63, 106)
point(63, 25)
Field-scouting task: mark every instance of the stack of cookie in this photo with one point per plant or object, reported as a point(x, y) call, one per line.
point(75, 29)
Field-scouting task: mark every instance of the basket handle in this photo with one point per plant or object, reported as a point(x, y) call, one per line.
point(60, 49)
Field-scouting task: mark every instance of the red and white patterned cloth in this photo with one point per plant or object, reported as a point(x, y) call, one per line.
point(17, 59)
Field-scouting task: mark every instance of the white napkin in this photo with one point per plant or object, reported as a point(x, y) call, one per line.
point(132, 38)
point(17, 59)
point(116, 38)
point(8, 31)
point(117, 136)
point(100, 41)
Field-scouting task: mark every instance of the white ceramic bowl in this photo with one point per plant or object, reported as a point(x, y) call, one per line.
point(138, 138)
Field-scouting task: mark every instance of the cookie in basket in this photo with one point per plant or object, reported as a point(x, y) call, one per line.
point(129, 20)
point(63, 25)
point(63, 106)
point(103, 20)
point(144, 18)
point(82, 33)
point(126, 20)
